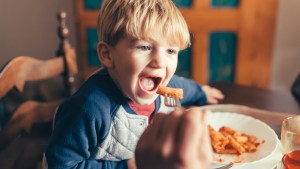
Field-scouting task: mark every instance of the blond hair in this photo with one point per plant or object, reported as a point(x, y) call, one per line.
point(141, 19)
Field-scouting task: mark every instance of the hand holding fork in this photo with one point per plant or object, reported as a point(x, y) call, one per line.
point(176, 140)
point(175, 102)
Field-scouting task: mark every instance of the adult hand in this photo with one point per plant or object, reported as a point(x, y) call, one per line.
point(213, 95)
point(179, 140)
point(131, 163)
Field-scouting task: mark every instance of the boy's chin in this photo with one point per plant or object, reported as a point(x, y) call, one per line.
point(144, 101)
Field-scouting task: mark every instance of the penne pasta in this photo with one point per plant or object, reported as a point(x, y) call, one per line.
point(229, 141)
point(170, 92)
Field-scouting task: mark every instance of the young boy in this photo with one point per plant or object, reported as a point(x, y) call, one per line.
point(139, 41)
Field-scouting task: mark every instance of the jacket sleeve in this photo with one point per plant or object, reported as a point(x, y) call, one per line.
point(192, 91)
point(77, 131)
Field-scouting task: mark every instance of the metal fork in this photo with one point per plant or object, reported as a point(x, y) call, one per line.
point(172, 102)
point(226, 166)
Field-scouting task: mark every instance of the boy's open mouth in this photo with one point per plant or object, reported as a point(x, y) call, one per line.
point(150, 83)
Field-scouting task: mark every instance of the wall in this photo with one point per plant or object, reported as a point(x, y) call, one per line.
point(29, 28)
point(286, 53)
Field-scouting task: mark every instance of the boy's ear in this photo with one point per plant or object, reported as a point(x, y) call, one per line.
point(104, 54)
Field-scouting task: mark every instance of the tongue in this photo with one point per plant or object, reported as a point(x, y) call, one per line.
point(147, 84)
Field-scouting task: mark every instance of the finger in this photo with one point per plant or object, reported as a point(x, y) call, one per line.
point(169, 125)
point(131, 163)
point(188, 134)
point(212, 100)
point(204, 117)
point(168, 130)
point(204, 140)
point(156, 126)
point(151, 132)
point(217, 93)
point(148, 137)
point(205, 149)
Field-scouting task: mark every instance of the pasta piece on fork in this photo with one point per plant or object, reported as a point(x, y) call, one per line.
point(170, 92)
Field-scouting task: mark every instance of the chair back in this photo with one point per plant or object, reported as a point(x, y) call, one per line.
point(24, 69)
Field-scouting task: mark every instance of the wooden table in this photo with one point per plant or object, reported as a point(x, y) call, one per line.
point(271, 100)
point(271, 107)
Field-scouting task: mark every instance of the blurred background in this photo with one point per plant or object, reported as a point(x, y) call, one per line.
point(30, 28)
point(243, 43)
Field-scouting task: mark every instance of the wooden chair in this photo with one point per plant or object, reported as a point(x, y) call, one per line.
point(22, 69)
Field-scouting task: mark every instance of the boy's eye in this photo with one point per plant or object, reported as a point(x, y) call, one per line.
point(172, 51)
point(144, 47)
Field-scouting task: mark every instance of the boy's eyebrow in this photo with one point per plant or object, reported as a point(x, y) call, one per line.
point(150, 40)
point(134, 40)
point(131, 40)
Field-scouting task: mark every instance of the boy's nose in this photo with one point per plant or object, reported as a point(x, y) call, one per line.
point(158, 60)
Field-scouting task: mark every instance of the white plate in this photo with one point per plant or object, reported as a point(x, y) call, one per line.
point(248, 125)
point(269, 162)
